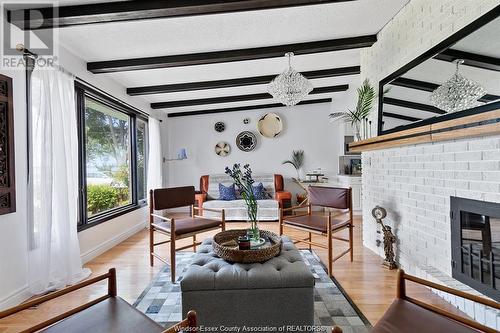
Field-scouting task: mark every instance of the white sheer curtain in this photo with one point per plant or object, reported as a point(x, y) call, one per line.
point(155, 178)
point(54, 257)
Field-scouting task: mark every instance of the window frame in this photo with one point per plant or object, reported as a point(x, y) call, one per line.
point(144, 201)
point(81, 92)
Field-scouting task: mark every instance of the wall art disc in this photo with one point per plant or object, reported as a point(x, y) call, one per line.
point(219, 126)
point(270, 125)
point(222, 148)
point(246, 141)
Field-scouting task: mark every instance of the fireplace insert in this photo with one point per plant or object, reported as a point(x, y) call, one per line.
point(475, 244)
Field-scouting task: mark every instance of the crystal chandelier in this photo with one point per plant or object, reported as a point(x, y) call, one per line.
point(290, 87)
point(458, 93)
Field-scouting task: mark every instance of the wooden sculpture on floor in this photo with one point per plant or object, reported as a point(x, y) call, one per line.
point(389, 239)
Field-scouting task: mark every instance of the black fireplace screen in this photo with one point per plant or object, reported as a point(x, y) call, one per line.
point(475, 241)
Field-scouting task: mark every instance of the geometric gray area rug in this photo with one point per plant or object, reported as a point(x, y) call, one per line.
point(161, 300)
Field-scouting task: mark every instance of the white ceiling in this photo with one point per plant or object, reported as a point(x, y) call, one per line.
point(174, 36)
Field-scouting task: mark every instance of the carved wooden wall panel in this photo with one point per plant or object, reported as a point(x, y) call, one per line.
point(7, 177)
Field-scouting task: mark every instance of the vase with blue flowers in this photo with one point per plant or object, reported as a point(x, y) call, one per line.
point(244, 182)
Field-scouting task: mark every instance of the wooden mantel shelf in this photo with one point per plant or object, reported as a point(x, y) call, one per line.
point(480, 124)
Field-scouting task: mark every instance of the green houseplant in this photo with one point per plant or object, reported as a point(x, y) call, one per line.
point(366, 96)
point(297, 161)
point(244, 181)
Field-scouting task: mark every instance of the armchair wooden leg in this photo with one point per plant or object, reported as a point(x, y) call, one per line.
point(351, 247)
point(310, 240)
point(151, 229)
point(330, 254)
point(151, 245)
point(330, 245)
point(172, 257)
point(194, 243)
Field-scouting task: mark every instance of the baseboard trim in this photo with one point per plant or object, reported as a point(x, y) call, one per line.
point(15, 298)
point(110, 243)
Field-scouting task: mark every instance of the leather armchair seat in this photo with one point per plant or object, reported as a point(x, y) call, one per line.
point(406, 317)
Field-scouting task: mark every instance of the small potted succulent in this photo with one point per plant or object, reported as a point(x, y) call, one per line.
point(244, 182)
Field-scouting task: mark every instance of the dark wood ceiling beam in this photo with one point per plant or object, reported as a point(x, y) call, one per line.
point(413, 105)
point(470, 59)
point(430, 87)
point(400, 116)
point(108, 12)
point(245, 108)
point(238, 98)
point(414, 84)
point(192, 59)
point(238, 82)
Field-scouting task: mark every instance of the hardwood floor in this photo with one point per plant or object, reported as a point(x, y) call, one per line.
point(368, 284)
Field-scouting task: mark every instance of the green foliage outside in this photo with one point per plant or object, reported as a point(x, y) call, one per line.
point(104, 197)
point(107, 149)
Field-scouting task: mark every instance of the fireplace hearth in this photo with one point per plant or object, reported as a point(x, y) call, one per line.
point(475, 244)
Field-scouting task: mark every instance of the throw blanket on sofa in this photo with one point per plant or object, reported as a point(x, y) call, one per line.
point(213, 184)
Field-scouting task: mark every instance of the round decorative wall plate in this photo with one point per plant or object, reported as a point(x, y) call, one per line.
point(270, 125)
point(246, 141)
point(222, 148)
point(219, 126)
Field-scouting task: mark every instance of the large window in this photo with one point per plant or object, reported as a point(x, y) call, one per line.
point(113, 155)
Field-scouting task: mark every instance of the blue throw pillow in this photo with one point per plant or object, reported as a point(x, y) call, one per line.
point(260, 192)
point(227, 193)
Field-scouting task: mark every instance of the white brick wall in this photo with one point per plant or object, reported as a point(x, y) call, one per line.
point(414, 184)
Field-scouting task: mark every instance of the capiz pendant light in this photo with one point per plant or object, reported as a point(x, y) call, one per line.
point(458, 93)
point(290, 87)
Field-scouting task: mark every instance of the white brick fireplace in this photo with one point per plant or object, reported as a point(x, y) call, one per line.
point(414, 183)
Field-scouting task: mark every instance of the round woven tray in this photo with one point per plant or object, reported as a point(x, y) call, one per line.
point(233, 254)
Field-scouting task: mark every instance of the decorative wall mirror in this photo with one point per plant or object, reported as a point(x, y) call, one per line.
point(411, 99)
point(7, 180)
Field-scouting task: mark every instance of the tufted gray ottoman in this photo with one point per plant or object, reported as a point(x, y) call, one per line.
point(277, 293)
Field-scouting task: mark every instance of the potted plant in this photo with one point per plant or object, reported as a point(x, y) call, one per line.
point(366, 95)
point(297, 161)
point(244, 182)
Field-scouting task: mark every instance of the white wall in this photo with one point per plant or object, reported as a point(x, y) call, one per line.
point(13, 227)
point(305, 127)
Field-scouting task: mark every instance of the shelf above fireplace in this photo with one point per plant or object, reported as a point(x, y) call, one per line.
point(459, 125)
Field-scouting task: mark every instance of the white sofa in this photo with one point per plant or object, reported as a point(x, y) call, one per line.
point(268, 210)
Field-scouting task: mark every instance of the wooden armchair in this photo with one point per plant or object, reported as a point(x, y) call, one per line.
point(410, 315)
point(176, 229)
point(106, 314)
point(327, 226)
point(188, 325)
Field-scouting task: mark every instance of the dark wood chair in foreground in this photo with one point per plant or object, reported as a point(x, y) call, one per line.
point(409, 315)
point(106, 314)
point(324, 225)
point(176, 229)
